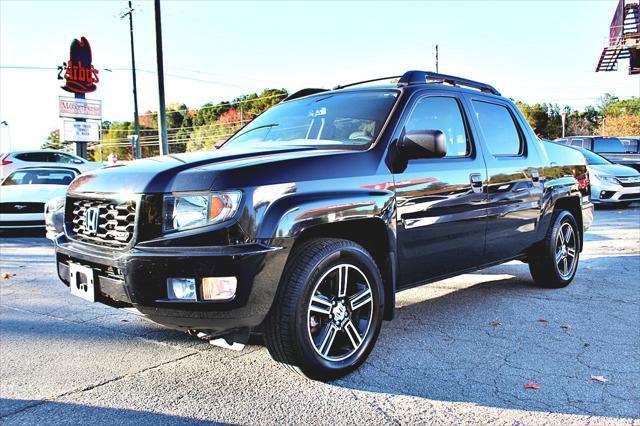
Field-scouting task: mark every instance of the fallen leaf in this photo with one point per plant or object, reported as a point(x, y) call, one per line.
point(532, 385)
point(495, 323)
point(587, 344)
point(124, 320)
point(565, 326)
point(600, 379)
point(543, 321)
point(5, 276)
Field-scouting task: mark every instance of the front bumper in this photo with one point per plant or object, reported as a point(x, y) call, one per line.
point(609, 193)
point(137, 278)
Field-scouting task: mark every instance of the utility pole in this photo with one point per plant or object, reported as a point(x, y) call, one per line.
point(437, 69)
point(162, 113)
point(136, 121)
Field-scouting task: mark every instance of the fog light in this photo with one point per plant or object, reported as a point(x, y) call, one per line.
point(181, 288)
point(219, 288)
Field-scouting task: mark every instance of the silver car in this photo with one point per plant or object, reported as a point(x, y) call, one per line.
point(14, 160)
point(612, 184)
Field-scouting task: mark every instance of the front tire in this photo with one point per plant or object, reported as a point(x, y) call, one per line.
point(328, 310)
point(554, 262)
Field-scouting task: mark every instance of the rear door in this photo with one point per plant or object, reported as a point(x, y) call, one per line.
point(514, 189)
point(440, 213)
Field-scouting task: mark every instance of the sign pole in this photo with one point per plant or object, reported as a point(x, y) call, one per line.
point(162, 114)
point(81, 147)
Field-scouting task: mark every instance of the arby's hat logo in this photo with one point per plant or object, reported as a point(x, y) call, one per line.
point(79, 73)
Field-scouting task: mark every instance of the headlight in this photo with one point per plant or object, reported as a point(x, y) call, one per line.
point(193, 210)
point(54, 204)
point(607, 178)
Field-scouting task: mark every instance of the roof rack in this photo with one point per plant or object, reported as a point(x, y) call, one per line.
point(342, 86)
point(420, 77)
point(408, 78)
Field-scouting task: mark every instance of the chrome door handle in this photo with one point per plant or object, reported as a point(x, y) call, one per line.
point(476, 182)
point(535, 176)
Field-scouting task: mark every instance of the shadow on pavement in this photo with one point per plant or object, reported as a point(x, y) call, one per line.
point(446, 348)
point(23, 411)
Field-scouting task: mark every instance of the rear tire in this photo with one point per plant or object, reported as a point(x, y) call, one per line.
point(554, 262)
point(328, 310)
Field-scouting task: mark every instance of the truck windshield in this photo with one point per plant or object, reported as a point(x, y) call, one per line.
point(608, 145)
point(349, 120)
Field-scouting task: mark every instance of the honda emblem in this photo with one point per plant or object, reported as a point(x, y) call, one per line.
point(91, 218)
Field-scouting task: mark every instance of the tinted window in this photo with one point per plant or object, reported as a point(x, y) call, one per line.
point(440, 113)
point(608, 145)
point(499, 130)
point(40, 157)
point(39, 177)
point(577, 142)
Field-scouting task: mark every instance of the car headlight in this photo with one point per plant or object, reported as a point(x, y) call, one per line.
point(193, 210)
point(54, 204)
point(607, 178)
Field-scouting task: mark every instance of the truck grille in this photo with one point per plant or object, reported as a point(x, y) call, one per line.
point(103, 222)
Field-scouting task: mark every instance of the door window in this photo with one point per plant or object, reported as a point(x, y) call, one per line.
point(499, 129)
point(444, 114)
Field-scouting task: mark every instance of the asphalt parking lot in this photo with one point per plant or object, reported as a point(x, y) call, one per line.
point(459, 352)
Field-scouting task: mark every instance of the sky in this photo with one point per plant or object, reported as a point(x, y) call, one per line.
point(534, 51)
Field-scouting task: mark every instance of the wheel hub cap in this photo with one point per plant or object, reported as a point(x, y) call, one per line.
point(340, 312)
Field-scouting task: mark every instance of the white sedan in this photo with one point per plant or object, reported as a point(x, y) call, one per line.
point(611, 184)
point(43, 158)
point(24, 193)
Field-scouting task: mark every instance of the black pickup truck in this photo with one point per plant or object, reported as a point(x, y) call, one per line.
point(307, 221)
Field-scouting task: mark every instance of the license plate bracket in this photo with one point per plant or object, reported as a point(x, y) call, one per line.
point(81, 282)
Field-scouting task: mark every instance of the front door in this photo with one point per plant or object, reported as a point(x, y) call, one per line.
point(441, 204)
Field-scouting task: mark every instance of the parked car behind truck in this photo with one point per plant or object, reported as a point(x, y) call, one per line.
point(613, 149)
point(305, 224)
point(15, 160)
point(611, 184)
point(24, 193)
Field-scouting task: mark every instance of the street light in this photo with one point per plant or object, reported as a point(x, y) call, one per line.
point(4, 123)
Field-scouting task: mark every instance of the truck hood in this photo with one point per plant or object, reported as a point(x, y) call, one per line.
point(614, 170)
point(182, 172)
point(30, 193)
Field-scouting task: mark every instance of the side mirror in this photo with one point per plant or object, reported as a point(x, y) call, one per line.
point(422, 144)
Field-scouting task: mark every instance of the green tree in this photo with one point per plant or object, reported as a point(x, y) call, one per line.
point(54, 142)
